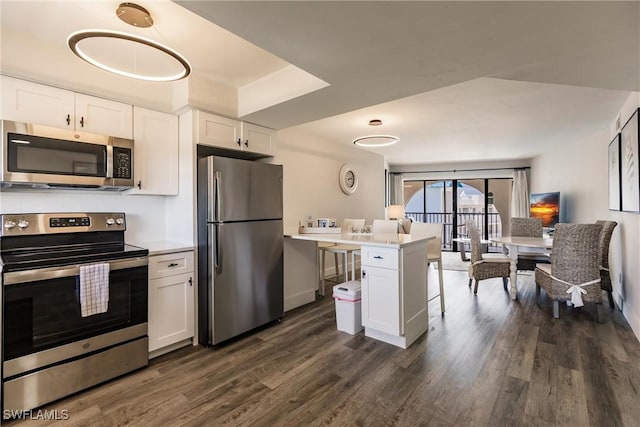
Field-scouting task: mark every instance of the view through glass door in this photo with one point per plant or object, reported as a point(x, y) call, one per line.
point(486, 202)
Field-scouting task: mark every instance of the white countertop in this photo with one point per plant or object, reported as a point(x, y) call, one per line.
point(163, 247)
point(360, 239)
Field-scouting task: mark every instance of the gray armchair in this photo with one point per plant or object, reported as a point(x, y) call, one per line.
point(528, 227)
point(485, 266)
point(573, 274)
point(603, 251)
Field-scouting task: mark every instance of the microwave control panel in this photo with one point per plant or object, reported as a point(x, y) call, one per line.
point(121, 163)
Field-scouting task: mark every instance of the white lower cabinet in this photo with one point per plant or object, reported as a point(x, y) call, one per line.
point(394, 293)
point(380, 289)
point(171, 300)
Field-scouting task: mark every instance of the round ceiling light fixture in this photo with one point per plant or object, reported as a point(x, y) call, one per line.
point(374, 141)
point(375, 122)
point(129, 55)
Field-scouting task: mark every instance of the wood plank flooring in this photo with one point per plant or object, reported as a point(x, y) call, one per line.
point(487, 362)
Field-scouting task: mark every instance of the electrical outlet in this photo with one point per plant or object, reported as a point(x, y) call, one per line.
point(620, 278)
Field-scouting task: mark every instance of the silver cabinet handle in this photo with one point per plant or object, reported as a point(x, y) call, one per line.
point(378, 257)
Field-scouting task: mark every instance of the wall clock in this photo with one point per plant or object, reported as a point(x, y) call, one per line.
point(348, 179)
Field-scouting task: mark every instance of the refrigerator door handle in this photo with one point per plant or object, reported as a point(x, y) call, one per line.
point(213, 190)
point(214, 247)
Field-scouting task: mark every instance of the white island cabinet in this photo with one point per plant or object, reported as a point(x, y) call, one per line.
point(393, 281)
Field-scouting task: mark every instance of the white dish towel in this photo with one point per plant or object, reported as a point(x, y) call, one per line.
point(94, 289)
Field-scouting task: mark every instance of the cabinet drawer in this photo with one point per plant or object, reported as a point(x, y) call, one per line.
point(170, 264)
point(379, 257)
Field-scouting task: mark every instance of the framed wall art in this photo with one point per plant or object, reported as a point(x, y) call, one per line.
point(615, 177)
point(630, 166)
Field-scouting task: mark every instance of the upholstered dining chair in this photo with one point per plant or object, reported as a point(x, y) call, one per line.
point(434, 250)
point(528, 227)
point(574, 274)
point(342, 251)
point(485, 266)
point(385, 226)
point(603, 260)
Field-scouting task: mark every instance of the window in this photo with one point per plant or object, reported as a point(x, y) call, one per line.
point(437, 201)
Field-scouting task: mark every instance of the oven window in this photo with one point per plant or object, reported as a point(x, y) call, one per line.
point(32, 154)
point(45, 314)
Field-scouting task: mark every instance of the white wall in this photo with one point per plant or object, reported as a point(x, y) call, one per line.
point(311, 166)
point(578, 169)
point(145, 214)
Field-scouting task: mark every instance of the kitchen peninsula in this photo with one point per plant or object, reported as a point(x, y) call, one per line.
point(394, 283)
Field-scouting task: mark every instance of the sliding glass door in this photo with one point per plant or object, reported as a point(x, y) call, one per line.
point(452, 203)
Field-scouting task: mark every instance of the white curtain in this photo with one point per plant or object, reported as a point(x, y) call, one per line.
point(397, 189)
point(519, 195)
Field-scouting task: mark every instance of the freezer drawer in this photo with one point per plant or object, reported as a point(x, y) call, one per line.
point(245, 277)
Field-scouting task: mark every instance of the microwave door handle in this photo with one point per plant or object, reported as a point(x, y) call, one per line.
point(109, 171)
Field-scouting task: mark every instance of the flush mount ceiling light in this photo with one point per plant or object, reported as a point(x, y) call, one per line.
point(129, 55)
point(376, 140)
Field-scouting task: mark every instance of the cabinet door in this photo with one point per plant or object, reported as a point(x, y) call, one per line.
point(171, 308)
point(156, 152)
point(218, 131)
point(258, 139)
point(102, 116)
point(381, 299)
point(28, 102)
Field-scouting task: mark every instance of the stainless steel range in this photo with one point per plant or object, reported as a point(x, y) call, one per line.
point(74, 305)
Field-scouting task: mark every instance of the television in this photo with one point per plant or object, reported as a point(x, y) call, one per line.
point(545, 206)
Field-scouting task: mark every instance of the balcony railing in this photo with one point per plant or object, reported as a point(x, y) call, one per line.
point(448, 234)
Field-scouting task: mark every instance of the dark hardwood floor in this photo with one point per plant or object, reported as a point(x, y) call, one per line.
point(488, 362)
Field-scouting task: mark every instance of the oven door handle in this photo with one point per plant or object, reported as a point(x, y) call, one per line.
point(34, 275)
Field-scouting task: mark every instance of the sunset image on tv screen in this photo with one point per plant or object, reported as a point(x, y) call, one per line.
point(546, 206)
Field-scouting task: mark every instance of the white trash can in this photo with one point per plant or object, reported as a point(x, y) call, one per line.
point(348, 306)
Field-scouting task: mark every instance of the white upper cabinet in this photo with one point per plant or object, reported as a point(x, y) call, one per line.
point(231, 134)
point(258, 139)
point(102, 116)
point(218, 131)
point(29, 102)
point(155, 152)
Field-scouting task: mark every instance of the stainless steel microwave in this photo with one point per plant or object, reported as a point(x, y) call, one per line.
point(45, 157)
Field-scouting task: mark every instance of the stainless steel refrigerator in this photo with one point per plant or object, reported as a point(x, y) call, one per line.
point(240, 247)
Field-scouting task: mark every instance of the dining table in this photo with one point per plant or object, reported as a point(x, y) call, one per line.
point(516, 244)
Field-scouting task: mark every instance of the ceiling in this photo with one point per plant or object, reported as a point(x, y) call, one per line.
point(456, 81)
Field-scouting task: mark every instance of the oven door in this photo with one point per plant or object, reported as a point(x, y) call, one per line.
point(42, 318)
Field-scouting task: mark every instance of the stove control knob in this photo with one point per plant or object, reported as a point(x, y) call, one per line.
point(119, 221)
point(23, 223)
point(111, 221)
point(9, 224)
